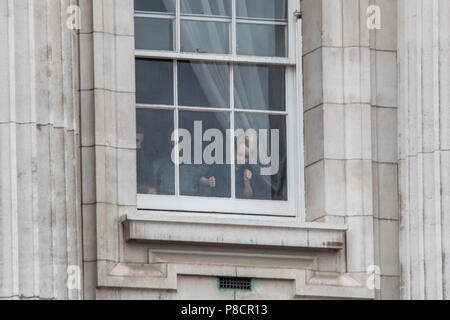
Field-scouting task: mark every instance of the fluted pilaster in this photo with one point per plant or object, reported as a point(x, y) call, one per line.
point(39, 150)
point(424, 148)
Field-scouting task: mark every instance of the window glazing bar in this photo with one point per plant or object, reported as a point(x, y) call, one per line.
point(232, 128)
point(268, 112)
point(167, 16)
point(155, 106)
point(265, 22)
point(175, 126)
point(205, 18)
point(213, 57)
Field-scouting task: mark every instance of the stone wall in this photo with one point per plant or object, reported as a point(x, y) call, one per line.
point(108, 133)
point(350, 107)
point(112, 264)
point(383, 72)
point(377, 132)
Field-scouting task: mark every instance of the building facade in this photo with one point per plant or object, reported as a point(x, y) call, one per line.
point(360, 212)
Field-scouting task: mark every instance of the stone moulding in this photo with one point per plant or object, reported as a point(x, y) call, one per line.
point(307, 283)
point(312, 235)
point(165, 265)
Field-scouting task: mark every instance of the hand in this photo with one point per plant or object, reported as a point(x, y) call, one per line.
point(248, 175)
point(152, 190)
point(212, 182)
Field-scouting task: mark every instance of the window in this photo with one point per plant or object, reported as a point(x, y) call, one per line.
point(217, 124)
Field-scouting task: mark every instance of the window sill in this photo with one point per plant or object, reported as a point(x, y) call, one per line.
point(158, 227)
point(308, 244)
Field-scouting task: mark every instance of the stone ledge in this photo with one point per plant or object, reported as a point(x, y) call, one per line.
point(306, 283)
point(226, 232)
point(247, 247)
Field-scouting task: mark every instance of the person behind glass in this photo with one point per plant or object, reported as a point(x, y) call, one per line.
point(144, 174)
point(162, 168)
point(216, 178)
point(245, 188)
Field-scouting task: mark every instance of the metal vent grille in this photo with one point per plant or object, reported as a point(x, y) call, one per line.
point(235, 283)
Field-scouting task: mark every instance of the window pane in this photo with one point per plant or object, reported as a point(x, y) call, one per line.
point(204, 84)
point(155, 5)
point(155, 169)
point(206, 7)
point(261, 40)
point(154, 34)
point(264, 179)
point(265, 9)
point(259, 87)
point(154, 81)
point(209, 176)
point(205, 37)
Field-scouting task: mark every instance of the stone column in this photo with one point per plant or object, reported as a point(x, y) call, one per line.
point(39, 151)
point(424, 148)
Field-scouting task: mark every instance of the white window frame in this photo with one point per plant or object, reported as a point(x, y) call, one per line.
point(294, 206)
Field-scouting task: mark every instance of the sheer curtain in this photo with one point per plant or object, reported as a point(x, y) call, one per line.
point(212, 35)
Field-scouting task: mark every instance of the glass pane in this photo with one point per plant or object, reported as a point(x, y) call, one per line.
point(154, 34)
point(205, 37)
point(155, 5)
point(259, 87)
point(261, 40)
point(206, 7)
point(154, 81)
point(261, 158)
point(206, 172)
point(265, 9)
point(155, 169)
point(204, 84)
